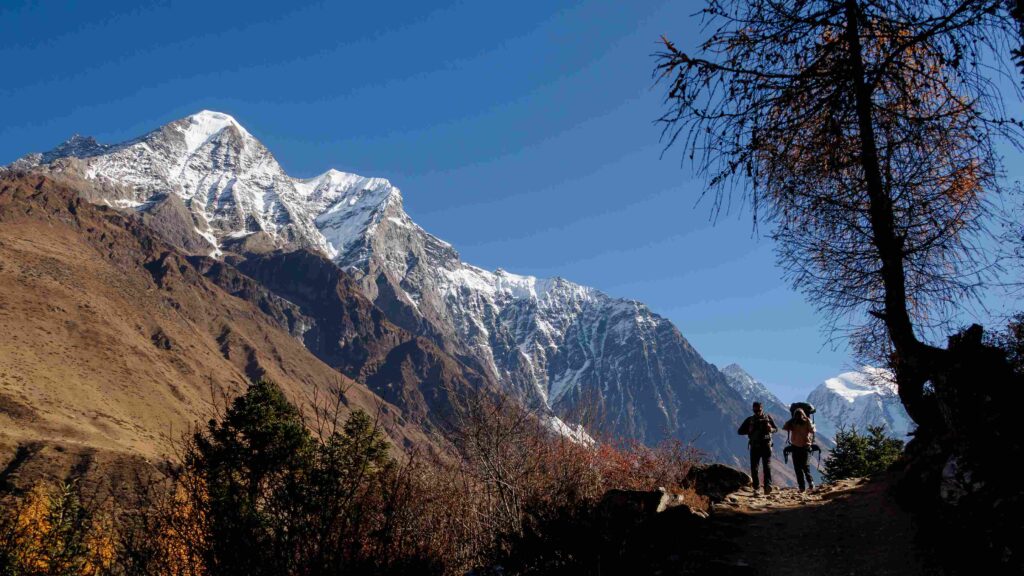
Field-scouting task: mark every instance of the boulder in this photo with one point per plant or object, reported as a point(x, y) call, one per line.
point(632, 505)
point(716, 481)
point(627, 508)
point(637, 525)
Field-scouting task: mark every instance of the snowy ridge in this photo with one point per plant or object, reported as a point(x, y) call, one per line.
point(749, 388)
point(862, 398)
point(346, 205)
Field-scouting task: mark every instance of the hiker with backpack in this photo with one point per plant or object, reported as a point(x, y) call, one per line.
point(801, 441)
point(758, 428)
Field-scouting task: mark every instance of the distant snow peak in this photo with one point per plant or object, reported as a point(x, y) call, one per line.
point(861, 398)
point(519, 286)
point(866, 382)
point(349, 207)
point(335, 190)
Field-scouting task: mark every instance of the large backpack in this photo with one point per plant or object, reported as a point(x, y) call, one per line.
point(806, 407)
point(760, 432)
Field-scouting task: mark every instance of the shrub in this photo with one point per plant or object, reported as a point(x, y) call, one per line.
point(857, 455)
point(50, 532)
point(535, 493)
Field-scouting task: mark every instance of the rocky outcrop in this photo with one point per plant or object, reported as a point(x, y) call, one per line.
point(635, 506)
point(168, 217)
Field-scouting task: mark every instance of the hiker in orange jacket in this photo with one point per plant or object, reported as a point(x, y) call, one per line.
point(759, 429)
point(801, 437)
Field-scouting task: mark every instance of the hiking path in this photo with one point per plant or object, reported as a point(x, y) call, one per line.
point(850, 528)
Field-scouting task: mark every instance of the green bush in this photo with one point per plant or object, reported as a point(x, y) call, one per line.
point(275, 499)
point(857, 455)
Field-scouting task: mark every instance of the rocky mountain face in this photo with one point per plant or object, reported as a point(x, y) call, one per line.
point(752, 390)
point(229, 181)
point(209, 187)
point(862, 398)
point(355, 337)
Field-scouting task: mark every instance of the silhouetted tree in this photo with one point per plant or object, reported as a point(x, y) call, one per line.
point(864, 132)
point(272, 498)
point(252, 463)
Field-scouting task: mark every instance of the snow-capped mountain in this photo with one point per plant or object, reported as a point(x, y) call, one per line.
point(558, 346)
point(862, 398)
point(750, 389)
point(230, 182)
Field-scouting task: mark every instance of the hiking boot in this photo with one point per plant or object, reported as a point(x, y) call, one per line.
point(767, 490)
point(810, 486)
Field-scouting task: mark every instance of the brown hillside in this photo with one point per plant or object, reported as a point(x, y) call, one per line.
point(111, 339)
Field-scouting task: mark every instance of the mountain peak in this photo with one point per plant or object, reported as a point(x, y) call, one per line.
point(735, 368)
point(866, 381)
point(752, 389)
point(212, 117)
point(200, 127)
point(860, 398)
point(338, 180)
point(78, 146)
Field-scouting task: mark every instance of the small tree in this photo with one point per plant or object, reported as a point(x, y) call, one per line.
point(343, 497)
point(52, 533)
point(252, 464)
point(857, 455)
point(259, 493)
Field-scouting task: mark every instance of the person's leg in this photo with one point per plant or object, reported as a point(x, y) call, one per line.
point(766, 458)
point(799, 466)
point(807, 469)
point(755, 459)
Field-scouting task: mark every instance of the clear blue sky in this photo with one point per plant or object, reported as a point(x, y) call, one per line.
point(521, 133)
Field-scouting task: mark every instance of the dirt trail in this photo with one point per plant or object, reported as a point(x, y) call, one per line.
point(852, 528)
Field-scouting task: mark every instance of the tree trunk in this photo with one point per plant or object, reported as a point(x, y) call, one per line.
point(914, 360)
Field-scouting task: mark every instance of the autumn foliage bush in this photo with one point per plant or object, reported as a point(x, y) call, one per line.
point(50, 532)
point(261, 492)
